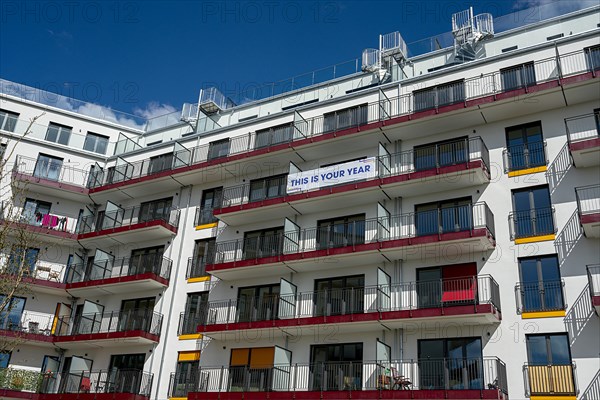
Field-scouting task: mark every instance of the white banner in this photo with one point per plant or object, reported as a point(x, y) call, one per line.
point(334, 175)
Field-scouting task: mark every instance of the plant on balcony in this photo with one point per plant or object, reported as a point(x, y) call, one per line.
point(20, 379)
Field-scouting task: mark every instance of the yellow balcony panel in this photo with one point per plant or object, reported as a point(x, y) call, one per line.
point(528, 171)
point(191, 336)
point(207, 226)
point(199, 279)
point(534, 239)
point(543, 314)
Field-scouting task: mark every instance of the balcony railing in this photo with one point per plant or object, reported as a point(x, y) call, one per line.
point(531, 223)
point(593, 273)
point(51, 171)
point(188, 324)
point(549, 69)
point(196, 267)
point(540, 296)
point(18, 379)
point(28, 322)
point(436, 222)
point(524, 156)
point(431, 374)
point(425, 158)
point(127, 217)
point(588, 199)
point(583, 127)
point(204, 216)
point(144, 320)
point(48, 222)
point(129, 266)
point(131, 381)
point(443, 293)
point(550, 380)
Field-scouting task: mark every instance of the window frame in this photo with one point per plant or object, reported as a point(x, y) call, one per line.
point(7, 118)
point(98, 140)
point(62, 131)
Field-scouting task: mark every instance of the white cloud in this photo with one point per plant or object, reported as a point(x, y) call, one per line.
point(154, 109)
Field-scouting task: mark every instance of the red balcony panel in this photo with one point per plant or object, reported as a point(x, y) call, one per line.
point(32, 337)
point(127, 228)
point(118, 279)
point(88, 396)
point(585, 144)
point(590, 218)
point(107, 336)
point(50, 183)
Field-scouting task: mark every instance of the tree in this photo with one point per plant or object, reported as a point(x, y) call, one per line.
point(15, 240)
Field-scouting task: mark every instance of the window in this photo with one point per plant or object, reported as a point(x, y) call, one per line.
point(203, 254)
point(196, 309)
point(518, 76)
point(34, 212)
point(48, 167)
point(592, 55)
point(4, 359)
point(258, 303)
point(95, 143)
point(148, 259)
point(156, 210)
point(336, 366)
point(549, 367)
point(441, 95)
point(263, 243)
point(211, 199)
point(341, 231)
point(2, 150)
point(218, 149)
point(540, 288)
point(125, 371)
point(446, 216)
point(348, 117)
point(127, 362)
point(160, 163)
point(532, 212)
point(16, 263)
point(58, 133)
point(8, 120)
point(137, 314)
point(455, 364)
point(268, 188)
point(441, 154)
point(10, 315)
point(340, 295)
point(186, 379)
point(275, 135)
point(447, 285)
point(251, 369)
point(525, 147)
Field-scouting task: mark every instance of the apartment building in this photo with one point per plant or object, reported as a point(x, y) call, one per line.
point(426, 226)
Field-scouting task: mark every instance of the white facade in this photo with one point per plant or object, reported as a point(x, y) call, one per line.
point(508, 123)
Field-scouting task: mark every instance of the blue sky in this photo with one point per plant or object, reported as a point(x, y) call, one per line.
point(148, 56)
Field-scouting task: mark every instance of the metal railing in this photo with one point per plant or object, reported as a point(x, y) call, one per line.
point(531, 223)
point(50, 223)
point(583, 127)
point(128, 266)
point(593, 273)
point(205, 216)
point(550, 380)
point(475, 87)
point(131, 381)
point(487, 373)
point(145, 320)
point(540, 296)
point(196, 267)
point(128, 216)
point(462, 218)
point(524, 156)
point(50, 170)
point(442, 293)
point(28, 322)
point(20, 379)
point(189, 323)
point(424, 158)
point(588, 199)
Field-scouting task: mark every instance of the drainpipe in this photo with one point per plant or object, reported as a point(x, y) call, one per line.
point(174, 276)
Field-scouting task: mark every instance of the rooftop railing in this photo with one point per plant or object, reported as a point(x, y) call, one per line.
point(484, 373)
point(435, 222)
point(51, 171)
point(145, 320)
point(471, 88)
point(583, 127)
point(128, 266)
point(482, 289)
point(126, 217)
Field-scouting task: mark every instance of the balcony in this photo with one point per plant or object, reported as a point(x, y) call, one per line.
point(40, 276)
point(124, 275)
point(541, 299)
point(399, 117)
point(593, 273)
point(128, 225)
point(460, 378)
point(53, 228)
point(550, 380)
point(448, 166)
point(584, 141)
point(205, 217)
point(17, 381)
point(459, 230)
point(188, 324)
point(525, 159)
point(32, 327)
point(115, 328)
point(588, 208)
point(196, 269)
point(466, 301)
point(51, 179)
point(533, 225)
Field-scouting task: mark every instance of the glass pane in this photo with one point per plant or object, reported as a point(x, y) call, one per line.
point(537, 353)
point(559, 346)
